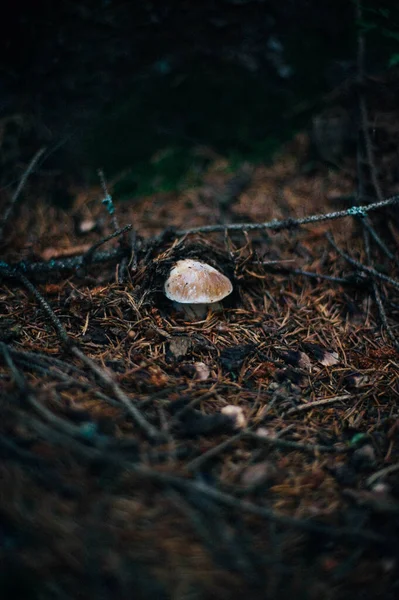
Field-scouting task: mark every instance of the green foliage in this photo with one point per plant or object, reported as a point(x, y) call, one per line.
point(155, 131)
point(381, 26)
point(394, 60)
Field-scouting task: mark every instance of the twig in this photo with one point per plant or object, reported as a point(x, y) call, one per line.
point(290, 445)
point(107, 200)
point(30, 168)
point(378, 240)
point(198, 462)
point(66, 381)
point(196, 488)
point(17, 376)
point(368, 230)
point(66, 264)
point(383, 315)
point(369, 149)
point(180, 413)
point(382, 473)
point(133, 244)
point(304, 525)
point(311, 405)
point(151, 432)
point(129, 261)
point(343, 280)
point(62, 334)
point(46, 361)
point(261, 511)
point(9, 449)
point(291, 223)
point(116, 254)
point(57, 422)
point(138, 418)
point(88, 257)
point(360, 266)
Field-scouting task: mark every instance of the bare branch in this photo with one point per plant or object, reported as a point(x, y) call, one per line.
point(292, 223)
point(9, 208)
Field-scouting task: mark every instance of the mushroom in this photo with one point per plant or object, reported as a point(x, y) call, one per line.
point(194, 286)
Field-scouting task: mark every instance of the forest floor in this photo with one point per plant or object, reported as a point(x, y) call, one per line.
point(123, 475)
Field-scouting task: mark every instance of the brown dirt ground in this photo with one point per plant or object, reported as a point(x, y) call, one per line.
point(292, 504)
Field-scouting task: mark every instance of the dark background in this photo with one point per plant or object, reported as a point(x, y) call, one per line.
point(113, 83)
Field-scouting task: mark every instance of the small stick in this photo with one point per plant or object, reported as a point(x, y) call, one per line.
point(268, 514)
point(139, 419)
point(14, 451)
point(65, 380)
point(290, 223)
point(53, 420)
point(383, 315)
point(9, 208)
point(324, 402)
point(378, 240)
point(62, 334)
point(198, 462)
point(311, 275)
point(118, 253)
point(107, 200)
point(87, 258)
point(382, 473)
point(290, 445)
point(67, 264)
point(360, 266)
point(149, 430)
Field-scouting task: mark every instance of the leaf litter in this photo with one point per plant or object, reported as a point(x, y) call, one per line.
point(233, 454)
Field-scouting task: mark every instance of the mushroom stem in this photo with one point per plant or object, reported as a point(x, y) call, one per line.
point(197, 311)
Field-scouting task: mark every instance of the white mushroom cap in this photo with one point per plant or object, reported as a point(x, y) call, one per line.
point(194, 282)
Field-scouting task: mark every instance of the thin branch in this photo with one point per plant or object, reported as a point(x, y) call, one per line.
point(292, 223)
point(312, 405)
point(67, 382)
point(52, 419)
point(383, 315)
point(72, 263)
point(373, 172)
point(9, 208)
point(251, 508)
point(290, 445)
point(107, 200)
point(366, 223)
point(360, 266)
point(198, 462)
point(88, 257)
point(343, 280)
point(382, 473)
point(54, 320)
point(151, 432)
point(9, 449)
point(67, 264)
